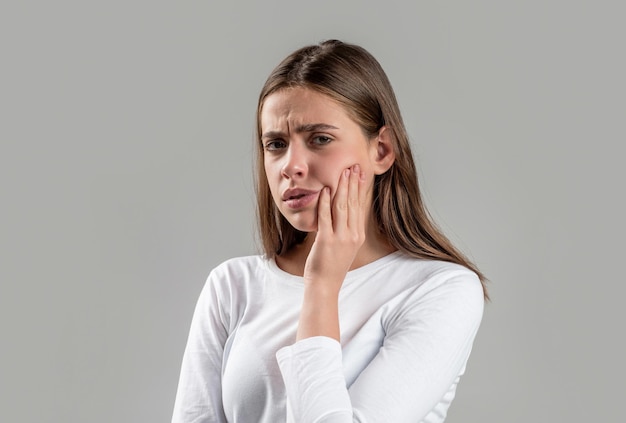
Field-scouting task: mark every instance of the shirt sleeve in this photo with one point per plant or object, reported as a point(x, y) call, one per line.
point(313, 374)
point(428, 339)
point(199, 394)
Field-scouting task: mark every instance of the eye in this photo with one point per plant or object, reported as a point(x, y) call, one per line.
point(321, 140)
point(274, 145)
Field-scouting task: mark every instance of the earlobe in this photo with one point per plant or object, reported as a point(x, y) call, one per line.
point(384, 152)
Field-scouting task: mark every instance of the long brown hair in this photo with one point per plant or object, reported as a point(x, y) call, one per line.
point(352, 76)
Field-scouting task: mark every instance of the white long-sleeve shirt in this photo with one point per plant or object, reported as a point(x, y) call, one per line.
point(407, 328)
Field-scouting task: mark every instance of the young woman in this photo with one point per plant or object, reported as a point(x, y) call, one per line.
point(360, 310)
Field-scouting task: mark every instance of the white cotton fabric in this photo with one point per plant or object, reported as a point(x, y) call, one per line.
point(407, 327)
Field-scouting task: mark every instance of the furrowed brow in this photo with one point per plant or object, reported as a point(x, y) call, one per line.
point(273, 135)
point(314, 127)
point(307, 127)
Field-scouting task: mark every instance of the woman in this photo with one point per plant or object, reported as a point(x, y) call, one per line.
point(360, 309)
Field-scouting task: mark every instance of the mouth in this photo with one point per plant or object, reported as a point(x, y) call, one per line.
point(299, 198)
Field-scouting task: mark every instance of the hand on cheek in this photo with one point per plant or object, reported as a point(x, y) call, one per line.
point(341, 230)
point(340, 234)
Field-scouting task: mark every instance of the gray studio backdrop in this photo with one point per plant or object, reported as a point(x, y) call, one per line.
point(126, 175)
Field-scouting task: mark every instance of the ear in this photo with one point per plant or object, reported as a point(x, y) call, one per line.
point(382, 152)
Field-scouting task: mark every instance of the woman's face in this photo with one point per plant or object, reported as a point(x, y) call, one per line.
point(308, 140)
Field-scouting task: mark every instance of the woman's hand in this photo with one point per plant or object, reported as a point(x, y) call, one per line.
point(340, 235)
point(340, 231)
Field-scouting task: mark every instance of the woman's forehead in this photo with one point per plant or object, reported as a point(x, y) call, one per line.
point(300, 106)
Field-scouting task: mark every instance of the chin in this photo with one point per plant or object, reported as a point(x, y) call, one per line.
point(302, 223)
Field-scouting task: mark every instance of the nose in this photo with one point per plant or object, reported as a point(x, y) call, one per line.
point(296, 161)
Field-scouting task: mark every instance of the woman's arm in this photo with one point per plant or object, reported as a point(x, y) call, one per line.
point(340, 234)
point(199, 395)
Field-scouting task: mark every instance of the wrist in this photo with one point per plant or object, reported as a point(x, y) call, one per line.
point(326, 289)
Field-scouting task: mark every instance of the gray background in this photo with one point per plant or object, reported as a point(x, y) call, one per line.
point(125, 176)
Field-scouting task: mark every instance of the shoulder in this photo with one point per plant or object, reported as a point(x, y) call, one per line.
point(432, 273)
point(238, 270)
point(436, 294)
point(243, 263)
point(234, 279)
point(441, 281)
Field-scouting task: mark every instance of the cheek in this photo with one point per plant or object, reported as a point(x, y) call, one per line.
point(331, 171)
point(336, 177)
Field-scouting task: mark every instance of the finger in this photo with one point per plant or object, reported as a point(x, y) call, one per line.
point(324, 218)
point(363, 195)
point(340, 201)
point(354, 205)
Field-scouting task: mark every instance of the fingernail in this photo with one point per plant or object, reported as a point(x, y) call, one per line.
point(357, 168)
point(346, 173)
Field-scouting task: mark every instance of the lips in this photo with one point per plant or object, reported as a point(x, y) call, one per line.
point(297, 198)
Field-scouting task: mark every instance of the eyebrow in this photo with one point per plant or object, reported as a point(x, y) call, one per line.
point(307, 127)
